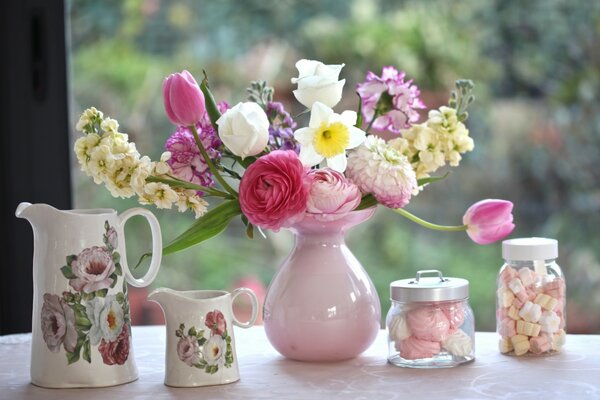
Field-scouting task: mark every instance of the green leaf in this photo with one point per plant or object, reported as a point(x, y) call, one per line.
point(116, 257)
point(118, 269)
point(87, 356)
point(114, 277)
point(121, 298)
point(431, 179)
point(201, 341)
point(366, 202)
point(71, 258)
point(250, 231)
point(211, 105)
point(78, 308)
point(210, 224)
point(68, 272)
point(74, 356)
point(82, 322)
point(88, 296)
point(359, 116)
point(101, 293)
point(192, 331)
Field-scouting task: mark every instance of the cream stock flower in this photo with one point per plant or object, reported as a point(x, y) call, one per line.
point(189, 200)
point(89, 115)
point(159, 194)
point(83, 150)
point(328, 136)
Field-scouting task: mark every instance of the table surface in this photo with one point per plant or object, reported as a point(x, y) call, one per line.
point(573, 374)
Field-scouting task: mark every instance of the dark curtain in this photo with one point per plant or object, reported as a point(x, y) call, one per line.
point(34, 147)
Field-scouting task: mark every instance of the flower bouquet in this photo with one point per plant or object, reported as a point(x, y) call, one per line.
point(326, 175)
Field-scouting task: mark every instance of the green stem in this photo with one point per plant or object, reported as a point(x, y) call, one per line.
point(375, 115)
point(188, 185)
point(422, 222)
point(212, 108)
point(210, 164)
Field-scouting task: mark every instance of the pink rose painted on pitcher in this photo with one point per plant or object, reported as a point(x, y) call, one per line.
point(188, 350)
point(116, 352)
point(92, 269)
point(215, 321)
point(58, 324)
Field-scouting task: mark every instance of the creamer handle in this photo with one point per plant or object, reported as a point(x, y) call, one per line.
point(156, 247)
point(254, 302)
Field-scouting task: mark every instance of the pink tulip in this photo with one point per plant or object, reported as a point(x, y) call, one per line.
point(489, 220)
point(184, 101)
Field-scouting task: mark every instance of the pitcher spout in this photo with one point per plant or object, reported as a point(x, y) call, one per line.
point(163, 296)
point(32, 212)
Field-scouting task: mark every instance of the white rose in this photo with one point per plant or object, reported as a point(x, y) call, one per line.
point(244, 129)
point(318, 82)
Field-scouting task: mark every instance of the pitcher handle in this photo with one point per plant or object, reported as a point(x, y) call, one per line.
point(254, 301)
point(156, 247)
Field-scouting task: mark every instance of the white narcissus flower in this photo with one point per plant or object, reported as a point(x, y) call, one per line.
point(244, 129)
point(318, 82)
point(381, 170)
point(328, 136)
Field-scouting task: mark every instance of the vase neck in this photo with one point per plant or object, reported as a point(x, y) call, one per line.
point(325, 238)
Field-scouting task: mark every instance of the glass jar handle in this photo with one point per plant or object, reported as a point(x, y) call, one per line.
point(429, 271)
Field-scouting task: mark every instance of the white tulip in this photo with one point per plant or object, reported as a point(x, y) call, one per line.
point(318, 82)
point(244, 129)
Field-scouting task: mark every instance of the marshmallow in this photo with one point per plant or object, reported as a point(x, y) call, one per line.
point(558, 340)
point(507, 328)
point(516, 285)
point(540, 344)
point(531, 312)
point(555, 288)
point(513, 312)
point(501, 313)
point(520, 344)
point(518, 303)
point(550, 322)
point(528, 328)
point(505, 297)
point(505, 346)
point(527, 276)
point(507, 274)
point(547, 302)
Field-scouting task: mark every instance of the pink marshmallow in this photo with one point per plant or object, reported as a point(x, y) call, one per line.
point(507, 328)
point(507, 274)
point(555, 288)
point(501, 313)
point(519, 303)
point(539, 344)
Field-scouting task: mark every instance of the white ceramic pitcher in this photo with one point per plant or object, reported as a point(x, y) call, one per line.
point(81, 328)
point(200, 338)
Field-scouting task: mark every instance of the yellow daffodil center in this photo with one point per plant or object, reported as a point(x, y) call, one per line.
point(331, 139)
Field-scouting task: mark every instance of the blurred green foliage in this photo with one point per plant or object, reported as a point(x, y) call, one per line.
point(536, 124)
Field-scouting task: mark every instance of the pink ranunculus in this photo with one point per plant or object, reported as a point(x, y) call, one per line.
point(489, 220)
point(92, 268)
point(188, 350)
point(58, 324)
point(273, 190)
point(331, 196)
point(183, 99)
point(215, 321)
point(117, 351)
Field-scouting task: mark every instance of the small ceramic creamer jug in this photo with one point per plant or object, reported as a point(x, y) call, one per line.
point(200, 339)
point(81, 325)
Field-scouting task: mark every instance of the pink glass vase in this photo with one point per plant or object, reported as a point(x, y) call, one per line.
point(321, 305)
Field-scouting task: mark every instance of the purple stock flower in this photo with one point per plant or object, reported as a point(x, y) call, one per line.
point(281, 130)
point(186, 161)
point(391, 99)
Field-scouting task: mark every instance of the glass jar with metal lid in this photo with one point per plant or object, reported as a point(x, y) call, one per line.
point(430, 323)
point(531, 298)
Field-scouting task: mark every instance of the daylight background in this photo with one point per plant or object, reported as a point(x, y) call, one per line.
point(535, 123)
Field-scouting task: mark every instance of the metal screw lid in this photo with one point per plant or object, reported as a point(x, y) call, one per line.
point(425, 289)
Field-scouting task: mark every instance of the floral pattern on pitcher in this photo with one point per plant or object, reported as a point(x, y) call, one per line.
point(206, 353)
point(87, 316)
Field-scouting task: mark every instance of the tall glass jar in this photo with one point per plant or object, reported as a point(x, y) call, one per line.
point(531, 298)
point(430, 323)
